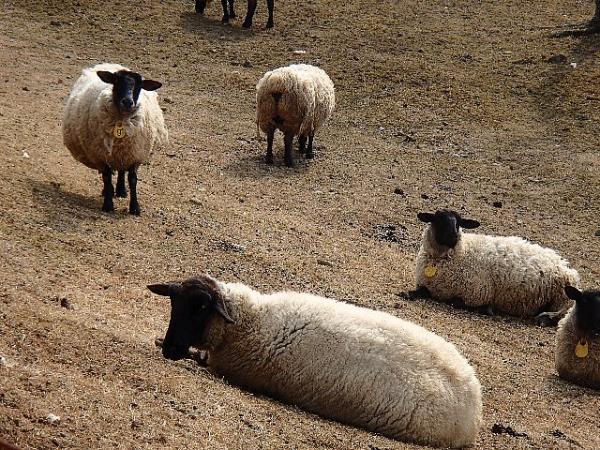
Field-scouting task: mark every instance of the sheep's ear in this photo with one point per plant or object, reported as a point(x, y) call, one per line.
point(151, 85)
point(107, 77)
point(222, 310)
point(468, 223)
point(161, 289)
point(573, 293)
point(425, 217)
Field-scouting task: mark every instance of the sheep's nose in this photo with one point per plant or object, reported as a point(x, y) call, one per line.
point(127, 103)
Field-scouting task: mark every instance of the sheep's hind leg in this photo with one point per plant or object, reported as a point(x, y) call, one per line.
point(310, 154)
point(250, 14)
point(121, 189)
point(231, 10)
point(302, 144)
point(108, 192)
point(288, 140)
point(225, 18)
point(270, 5)
point(134, 206)
point(270, 136)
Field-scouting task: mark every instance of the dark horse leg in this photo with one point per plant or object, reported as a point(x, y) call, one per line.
point(108, 192)
point(134, 206)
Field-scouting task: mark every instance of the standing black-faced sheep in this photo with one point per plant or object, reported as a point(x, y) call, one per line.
point(577, 357)
point(507, 274)
point(298, 100)
point(113, 122)
point(230, 13)
point(354, 365)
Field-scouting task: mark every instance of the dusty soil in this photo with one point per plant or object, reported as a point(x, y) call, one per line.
point(457, 104)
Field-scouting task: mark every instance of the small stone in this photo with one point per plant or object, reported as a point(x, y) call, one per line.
point(25, 154)
point(399, 191)
point(65, 303)
point(3, 361)
point(597, 233)
point(424, 196)
point(497, 204)
point(573, 65)
point(26, 89)
point(322, 262)
point(299, 52)
point(247, 64)
point(167, 100)
point(53, 419)
point(56, 23)
point(557, 59)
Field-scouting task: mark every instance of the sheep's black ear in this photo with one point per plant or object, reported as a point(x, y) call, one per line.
point(151, 85)
point(425, 217)
point(161, 289)
point(222, 310)
point(468, 223)
point(573, 293)
point(107, 77)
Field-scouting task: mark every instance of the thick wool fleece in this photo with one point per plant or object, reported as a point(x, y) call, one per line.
point(582, 371)
point(307, 99)
point(354, 365)
point(90, 118)
point(509, 274)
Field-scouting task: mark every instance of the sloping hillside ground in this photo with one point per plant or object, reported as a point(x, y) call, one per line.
point(450, 103)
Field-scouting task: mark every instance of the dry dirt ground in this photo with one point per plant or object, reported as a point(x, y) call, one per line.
point(457, 104)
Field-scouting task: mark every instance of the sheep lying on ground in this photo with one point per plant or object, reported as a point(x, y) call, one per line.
point(577, 356)
point(230, 14)
point(297, 100)
point(113, 122)
point(371, 369)
point(506, 274)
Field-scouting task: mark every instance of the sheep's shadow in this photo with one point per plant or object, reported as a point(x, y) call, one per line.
point(252, 164)
point(65, 210)
point(212, 28)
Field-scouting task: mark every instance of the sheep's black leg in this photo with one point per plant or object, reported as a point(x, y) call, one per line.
point(551, 318)
point(270, 136)
point(288, 140)
point(419, 292)
point(270, 5)
point(302, 144)
point(108, 192)
point(231, 10)
point(200, 5)
point(134, 206)
point(310, 154)
point(121, 189)
point(250, 14)
point(225, 18)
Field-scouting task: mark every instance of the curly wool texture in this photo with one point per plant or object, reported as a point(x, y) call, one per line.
point(509, 273)
point(582, 371)
point(307, 99)
point(90, 118)
point(354, 365)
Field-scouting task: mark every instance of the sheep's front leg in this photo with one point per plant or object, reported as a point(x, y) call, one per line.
point(225, 18)
point(134, 206)
point(302, 144)
point(310, 154)
point(270, 6)
point(108, 192)
point(231, 10)
point(121, 190)
point(270, 136)
point(288, 140)
point(249, 14)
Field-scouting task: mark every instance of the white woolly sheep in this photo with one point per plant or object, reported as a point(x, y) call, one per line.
point(354, 365)
point(113, 122)
point(506, 274)
point(297, 100)
point(577, 357)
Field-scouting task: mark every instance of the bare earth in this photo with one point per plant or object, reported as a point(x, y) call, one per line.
point(457, 103)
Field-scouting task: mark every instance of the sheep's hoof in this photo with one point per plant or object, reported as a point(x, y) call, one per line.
point(269, 160)
point(270, 25)
point(135, 210)
point(289, 163)
point(108, 207)
point(232, 15)
point(246, 24)
point(225, 19)
point(309, 155)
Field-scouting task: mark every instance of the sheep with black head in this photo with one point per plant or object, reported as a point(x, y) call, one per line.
point(229, 13)
point(507, 274)
point(112, 121)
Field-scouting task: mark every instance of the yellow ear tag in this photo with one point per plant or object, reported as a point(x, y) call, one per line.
point(430, 271)
point(581, 349)
point(119, 130)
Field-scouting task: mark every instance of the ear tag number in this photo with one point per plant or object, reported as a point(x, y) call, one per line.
point(119, 130)
point(430, 271)
point(582, 348)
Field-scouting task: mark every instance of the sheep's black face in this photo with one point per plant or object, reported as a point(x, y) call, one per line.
point(445, 225)
point(200, 5)
point(587, 311)
point(127, 86)
point(193, 303)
